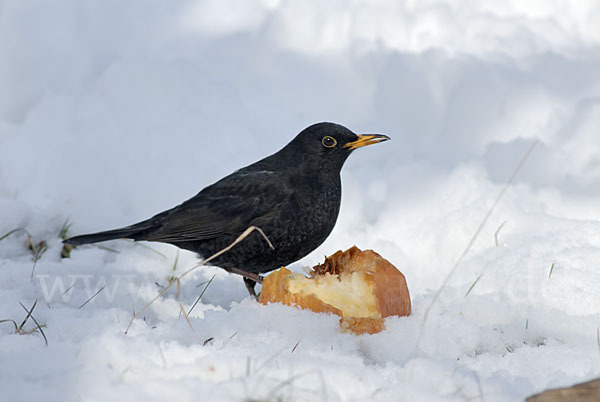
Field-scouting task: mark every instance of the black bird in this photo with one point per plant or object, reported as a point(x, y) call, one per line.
point(293, 196)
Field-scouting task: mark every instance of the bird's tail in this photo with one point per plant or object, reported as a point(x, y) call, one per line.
point(129, 232)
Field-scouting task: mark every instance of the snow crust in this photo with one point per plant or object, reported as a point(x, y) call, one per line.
point(111, 111)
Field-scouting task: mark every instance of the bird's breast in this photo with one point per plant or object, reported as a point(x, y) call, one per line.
point(310, 216)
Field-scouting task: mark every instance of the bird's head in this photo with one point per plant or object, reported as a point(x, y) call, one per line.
point(328, 145)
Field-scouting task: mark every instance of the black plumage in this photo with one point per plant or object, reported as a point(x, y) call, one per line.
point(293, 196)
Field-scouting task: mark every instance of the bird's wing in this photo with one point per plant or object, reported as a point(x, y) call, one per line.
point(226, 207)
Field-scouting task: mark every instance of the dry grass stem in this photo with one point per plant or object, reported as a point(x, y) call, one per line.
point(240, 238)
point(20, 329)
point(468, 247)
point(181, 309)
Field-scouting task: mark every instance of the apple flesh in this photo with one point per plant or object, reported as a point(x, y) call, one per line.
point(361, 287)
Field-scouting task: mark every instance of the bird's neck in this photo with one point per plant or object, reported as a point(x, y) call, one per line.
point(302, 170)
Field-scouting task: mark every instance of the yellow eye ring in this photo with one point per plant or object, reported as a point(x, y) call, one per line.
point(328, 142)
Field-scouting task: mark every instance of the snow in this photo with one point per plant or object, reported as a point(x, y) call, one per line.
point(112, 111)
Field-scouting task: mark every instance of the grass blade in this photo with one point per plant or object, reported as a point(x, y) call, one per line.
point(94, 295)
point(14, 323)
point(39, 327)
point(111, 250)
point(498, 231)
point(64, 229)
point(551, 269)
point(201, 294)
point(11, 232)
point(27, 316)
point(473, 284)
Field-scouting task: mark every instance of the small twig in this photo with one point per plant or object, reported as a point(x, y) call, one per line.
point(201, 294)
point(498, 231)
point(473, 284)
point(94, 295)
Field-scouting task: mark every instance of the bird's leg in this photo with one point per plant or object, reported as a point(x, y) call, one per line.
point(250, 275)
point(250, 279)
point(250, 284)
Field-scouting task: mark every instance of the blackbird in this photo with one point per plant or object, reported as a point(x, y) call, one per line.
point(293, 196)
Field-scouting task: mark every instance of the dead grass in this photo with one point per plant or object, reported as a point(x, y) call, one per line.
point(177, 279)
point(21, 330)
point(38, 249)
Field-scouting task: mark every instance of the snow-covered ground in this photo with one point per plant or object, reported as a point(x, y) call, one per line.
point(111, 111)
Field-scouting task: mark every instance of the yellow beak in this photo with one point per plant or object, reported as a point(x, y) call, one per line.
point(366, 139)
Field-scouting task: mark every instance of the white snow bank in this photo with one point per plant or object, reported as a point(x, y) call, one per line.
point(112, 111)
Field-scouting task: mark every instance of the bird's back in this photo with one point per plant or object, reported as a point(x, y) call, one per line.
point(295, 210)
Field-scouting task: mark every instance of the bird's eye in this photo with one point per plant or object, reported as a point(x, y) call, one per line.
point(328, 141)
